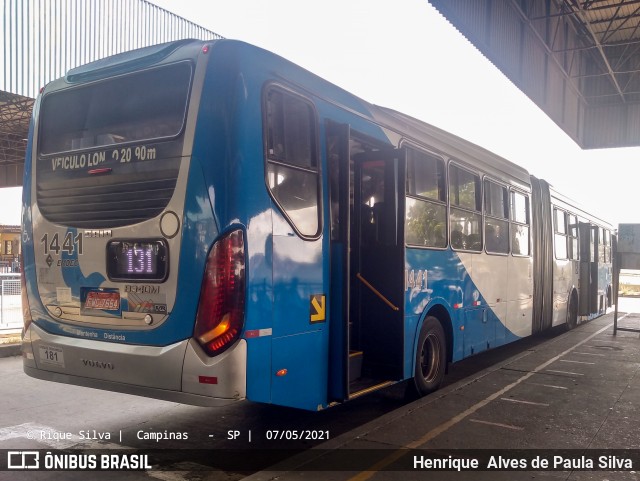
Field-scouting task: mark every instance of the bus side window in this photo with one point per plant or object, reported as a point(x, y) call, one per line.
point(291, 153)
point(466, 202)
point(496, 224)
point(574, 253)
point(519, 224)
point(607, 246)
point(601, 246)
point(560, 238)
point(426, 211)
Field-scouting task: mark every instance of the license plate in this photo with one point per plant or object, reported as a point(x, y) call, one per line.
point(108, 301)
point(100, 301)
point(52, 356)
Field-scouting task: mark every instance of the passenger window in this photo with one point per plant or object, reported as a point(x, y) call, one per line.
point(560, 239)
point(425, 175)
point(496, 223)
point(426, 211)
point(601, 246)
point(466, 201)
point(464, 188)
point(292, 166)
point(519, 208)
point(291, 129)
point(519, 224)
point(561, 227)
point(572, 229)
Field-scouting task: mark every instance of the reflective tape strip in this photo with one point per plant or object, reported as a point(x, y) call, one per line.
point(207, 380)
point(258, 333)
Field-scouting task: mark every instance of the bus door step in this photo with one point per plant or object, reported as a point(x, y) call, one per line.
point(365, 386)
point(355, 365)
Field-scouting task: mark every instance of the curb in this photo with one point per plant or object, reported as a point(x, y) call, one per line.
point(8, 350)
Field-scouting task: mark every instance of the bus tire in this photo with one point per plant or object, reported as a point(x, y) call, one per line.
point(572, 312)
point(431, 357)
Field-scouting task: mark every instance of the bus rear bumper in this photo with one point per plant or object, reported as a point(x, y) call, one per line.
point(178, 373)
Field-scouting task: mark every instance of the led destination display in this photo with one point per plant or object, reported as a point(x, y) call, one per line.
point(130, 260)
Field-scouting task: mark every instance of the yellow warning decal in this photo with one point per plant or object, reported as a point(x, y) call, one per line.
point(318, 308)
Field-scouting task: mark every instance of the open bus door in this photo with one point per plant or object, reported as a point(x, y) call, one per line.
point(588, 301)
point(367, 263)
point(340, 193)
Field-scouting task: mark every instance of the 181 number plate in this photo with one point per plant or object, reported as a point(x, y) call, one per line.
point(52, 355)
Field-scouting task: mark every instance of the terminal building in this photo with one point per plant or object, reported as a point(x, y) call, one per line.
point(9, 248)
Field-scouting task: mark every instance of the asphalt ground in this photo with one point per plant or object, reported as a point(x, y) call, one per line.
point(576, 391)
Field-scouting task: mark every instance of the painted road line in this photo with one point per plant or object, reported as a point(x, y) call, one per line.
point(564, 372)
point(500, 425)
point(521, 401)
point(547, 385)
point(577, 362)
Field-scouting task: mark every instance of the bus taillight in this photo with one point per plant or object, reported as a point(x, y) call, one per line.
point(221, 309)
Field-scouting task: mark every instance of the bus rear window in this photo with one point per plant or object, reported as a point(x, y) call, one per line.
point(141, 106)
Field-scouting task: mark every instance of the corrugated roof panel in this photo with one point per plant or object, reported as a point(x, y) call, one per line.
point(505, 34)
point(40, 41)
point(593, 46)
point(556, 96)
point(607, 128)
point(534, 67)
point(474, 14)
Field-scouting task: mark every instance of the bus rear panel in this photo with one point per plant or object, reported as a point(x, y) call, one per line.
point(116, 249)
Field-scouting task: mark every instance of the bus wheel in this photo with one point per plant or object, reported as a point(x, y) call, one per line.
point(431, 357)
point(572, 313)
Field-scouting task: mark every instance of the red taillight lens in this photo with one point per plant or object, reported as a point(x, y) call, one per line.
point(26, 310)
point(221, 309)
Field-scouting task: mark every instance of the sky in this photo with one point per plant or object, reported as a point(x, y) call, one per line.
point(406, 56)
point(10, 205)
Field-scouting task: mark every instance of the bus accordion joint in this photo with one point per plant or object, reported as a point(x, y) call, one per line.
point(377, 292)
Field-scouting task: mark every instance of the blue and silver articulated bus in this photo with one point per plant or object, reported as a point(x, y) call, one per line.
point(206, 222)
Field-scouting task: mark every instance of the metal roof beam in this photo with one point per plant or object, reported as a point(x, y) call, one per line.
point(580, 14)
point(547, 48)
point(634, 15)
point(622, 43)
point(604, 74)
point(591, 9)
